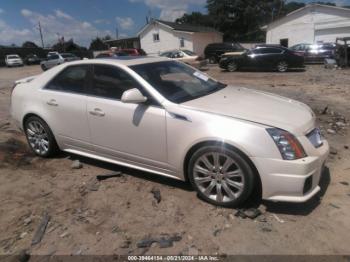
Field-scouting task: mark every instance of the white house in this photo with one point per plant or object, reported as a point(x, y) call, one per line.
point(159, 36)
point(311, 24)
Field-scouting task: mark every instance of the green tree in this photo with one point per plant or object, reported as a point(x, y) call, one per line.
point(97, 44)
point(241, 19)
point(107, 37)
point(195, 18)
point(29, 44)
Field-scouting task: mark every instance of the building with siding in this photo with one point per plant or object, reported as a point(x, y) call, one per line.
point(158, 36)
point(311, 24)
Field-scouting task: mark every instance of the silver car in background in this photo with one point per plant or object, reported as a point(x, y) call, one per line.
point(162, 116)
point(13, 60)
point(54, 59)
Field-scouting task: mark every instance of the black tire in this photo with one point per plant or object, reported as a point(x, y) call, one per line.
point(43, 67)
point(212, 60)
point(247, 173)
point(232, 66)
point(282, 66)
point(52, 146)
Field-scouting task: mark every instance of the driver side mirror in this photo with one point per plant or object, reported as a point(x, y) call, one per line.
point(133, 96)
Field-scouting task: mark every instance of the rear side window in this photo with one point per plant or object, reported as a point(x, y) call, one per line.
point(73, 79)
point(111, 82)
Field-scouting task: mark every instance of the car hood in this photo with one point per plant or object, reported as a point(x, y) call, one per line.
point(259, 107)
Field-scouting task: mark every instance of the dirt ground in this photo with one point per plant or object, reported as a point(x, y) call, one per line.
point(112, 216)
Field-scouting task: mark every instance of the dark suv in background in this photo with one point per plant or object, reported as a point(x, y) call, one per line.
point(316, 53)
point(214, 51)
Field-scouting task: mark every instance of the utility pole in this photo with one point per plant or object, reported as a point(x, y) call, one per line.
point(41, 34)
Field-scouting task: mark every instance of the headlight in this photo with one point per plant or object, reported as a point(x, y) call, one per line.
point(287, 144)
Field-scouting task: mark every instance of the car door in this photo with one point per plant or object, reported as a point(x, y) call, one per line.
point(63, 102)
point(270, 57)
point(252, 59)
point(52, 60)
point(127, 132)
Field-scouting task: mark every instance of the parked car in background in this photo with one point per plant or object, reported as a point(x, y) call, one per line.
point(265, 58)
point(32, 59)
point(316, 53)
point(213, 51)
point(133, 51)
point(55, 59)
point(111, 54)
point(187, 57)
point(52, 53)
point(13, 60)
point(162, 116)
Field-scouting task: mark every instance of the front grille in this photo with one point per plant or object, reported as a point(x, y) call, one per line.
point(315, 137)
point(307, 185)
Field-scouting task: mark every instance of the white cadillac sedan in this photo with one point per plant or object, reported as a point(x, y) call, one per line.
point(167, 118)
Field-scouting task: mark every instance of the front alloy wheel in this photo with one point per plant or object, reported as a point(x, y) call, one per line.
point(232, 66)
point(221, 176)
point(282, 66)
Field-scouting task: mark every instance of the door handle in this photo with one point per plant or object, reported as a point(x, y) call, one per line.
point(97, 112)
point(52, 102)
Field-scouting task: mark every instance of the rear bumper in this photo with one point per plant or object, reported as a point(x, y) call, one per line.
point(291, 181)
point(15, 64)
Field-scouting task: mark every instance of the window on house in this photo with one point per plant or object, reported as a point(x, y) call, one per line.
point(182, 42)
point(155, 37)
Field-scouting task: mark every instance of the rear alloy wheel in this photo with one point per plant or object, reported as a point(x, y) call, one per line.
point(221, 176)
point(282, 66)
point(40, 137)
point(212, 60)
point(232, 66)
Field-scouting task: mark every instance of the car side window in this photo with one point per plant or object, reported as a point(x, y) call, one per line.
point(255, 51)
point(53, 57)
point(73, 79)
point(111, 82)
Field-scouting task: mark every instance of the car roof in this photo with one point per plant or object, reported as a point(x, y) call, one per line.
point(123, 60)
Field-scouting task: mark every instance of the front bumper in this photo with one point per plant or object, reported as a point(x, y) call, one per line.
point(291, 181)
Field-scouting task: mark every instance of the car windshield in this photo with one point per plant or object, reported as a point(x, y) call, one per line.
point(188, 52)
point(13, 56)
point(176, 81)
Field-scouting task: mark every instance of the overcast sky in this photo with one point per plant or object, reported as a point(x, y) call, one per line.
point(83, 20)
